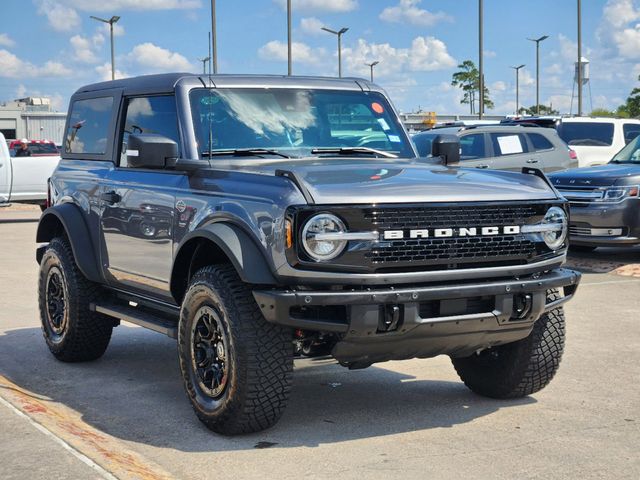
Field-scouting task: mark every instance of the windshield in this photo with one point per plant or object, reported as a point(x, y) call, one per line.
point(630, 153)
point(294, 122)
point(591, 134)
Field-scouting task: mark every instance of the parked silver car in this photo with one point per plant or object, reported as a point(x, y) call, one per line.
point(504, 147)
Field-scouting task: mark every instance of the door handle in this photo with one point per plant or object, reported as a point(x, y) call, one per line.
point(532, 160)
point(110, 197)
point(482, 166)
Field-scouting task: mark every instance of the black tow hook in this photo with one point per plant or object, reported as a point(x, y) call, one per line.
point(390, 316)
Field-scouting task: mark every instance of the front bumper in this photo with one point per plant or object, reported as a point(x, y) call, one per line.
point(605, 224)
point(449, 319)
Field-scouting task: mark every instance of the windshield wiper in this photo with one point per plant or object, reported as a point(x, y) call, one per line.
point(244, 152)
point(349, 150)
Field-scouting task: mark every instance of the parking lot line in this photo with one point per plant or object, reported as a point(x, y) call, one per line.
point(106, 455)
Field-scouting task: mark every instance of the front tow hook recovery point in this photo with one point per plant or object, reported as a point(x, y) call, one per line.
point(390, 317)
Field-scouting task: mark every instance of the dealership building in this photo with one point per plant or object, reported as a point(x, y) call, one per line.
point(31, 118)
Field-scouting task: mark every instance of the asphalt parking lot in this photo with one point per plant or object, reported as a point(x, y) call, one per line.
point(126, 415)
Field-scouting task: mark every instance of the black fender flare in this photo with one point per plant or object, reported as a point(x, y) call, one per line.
point(237, 245)
point(70, 217)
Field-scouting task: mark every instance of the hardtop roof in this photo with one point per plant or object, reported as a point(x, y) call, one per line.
point(166, 82)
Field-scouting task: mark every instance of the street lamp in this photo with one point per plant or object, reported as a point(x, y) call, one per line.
point(480, 59)
point(214, 36)
point(111, 21)
point(538, 40)
point(204, 64)
point(371, 65)
point(339, 33)
point(289, 52)
point(580, 59)
point(517, 69)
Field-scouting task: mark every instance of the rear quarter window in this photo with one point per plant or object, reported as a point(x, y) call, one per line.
point(88, 126)
point(590, 134)
point(631, 131)
point(540, 142)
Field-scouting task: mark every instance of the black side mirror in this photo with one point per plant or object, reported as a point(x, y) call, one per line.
point(446, 147)
point(151, 151)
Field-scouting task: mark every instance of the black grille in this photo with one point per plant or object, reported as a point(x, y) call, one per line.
point(456, 251)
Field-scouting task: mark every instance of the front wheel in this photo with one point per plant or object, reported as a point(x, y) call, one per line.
point(520, 368)
point(236, 366)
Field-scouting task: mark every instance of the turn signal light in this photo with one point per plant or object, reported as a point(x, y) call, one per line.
point(288, 229)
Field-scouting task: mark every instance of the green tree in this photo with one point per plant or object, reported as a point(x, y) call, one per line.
point(632, 107)
point(533, 110)
point(603, 112)
point(468, 79)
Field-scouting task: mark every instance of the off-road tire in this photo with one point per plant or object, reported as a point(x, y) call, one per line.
point(520, 368)
point(258, 360)
point(84, 335)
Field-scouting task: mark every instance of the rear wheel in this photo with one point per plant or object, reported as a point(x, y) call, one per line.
point(520, 368)
point(236, 366)
point(73, 333)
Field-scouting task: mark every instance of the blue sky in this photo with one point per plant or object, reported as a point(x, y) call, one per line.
point(51, 47)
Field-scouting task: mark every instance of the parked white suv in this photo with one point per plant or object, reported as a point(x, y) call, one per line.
point(597, 139)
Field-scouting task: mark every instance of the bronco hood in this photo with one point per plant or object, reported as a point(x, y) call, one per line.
point(368, 182)
point(600, 176)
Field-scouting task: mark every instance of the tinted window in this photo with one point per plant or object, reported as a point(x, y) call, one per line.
point(592, 134)
point(540, 142)
point(89, 126)
point(424, 144)
point(472, 146)
point(150, 115)
point(508, 143)
point(631, 131)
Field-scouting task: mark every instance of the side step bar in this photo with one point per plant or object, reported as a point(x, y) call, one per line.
point(138, 317)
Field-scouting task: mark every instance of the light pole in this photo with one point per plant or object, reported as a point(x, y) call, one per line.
point(538, 40)
point(480, 59)
point(214, 37)
point(339, 33)
point(111, 21)
point(580, 59)
point(289, 53)
point(371, 65)
point(517, 69)
point(204, 64)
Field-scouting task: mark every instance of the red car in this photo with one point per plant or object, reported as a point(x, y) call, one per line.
point(38, 148)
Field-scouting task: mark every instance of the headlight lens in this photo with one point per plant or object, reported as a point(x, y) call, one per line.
point(616, 194)
point(555, 217)
point(323, 250)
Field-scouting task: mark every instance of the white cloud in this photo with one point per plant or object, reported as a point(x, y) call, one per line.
point(425, 54)
point(82, 49)
point(619, 32)
point(104, 72)
point(490, 54)
point(13, 67)
point(311, 26)
point(498, 86)
point(61, 17)
point(6, 40)
point(429, 54)
point(320, 5)
point(408, 11)
point(153, 58)
point(301, 52)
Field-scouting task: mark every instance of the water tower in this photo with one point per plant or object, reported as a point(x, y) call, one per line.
point(584, 64)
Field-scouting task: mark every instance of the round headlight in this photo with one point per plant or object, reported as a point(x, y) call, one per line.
point(555, 237)
point(317, 247)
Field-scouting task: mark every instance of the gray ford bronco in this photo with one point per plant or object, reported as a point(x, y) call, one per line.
point(259, 218)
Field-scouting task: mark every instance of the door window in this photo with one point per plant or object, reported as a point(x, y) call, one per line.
point(88, 126)
point(540, 142)
point(472, 146)
point(508, 144)
point(149, 115)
